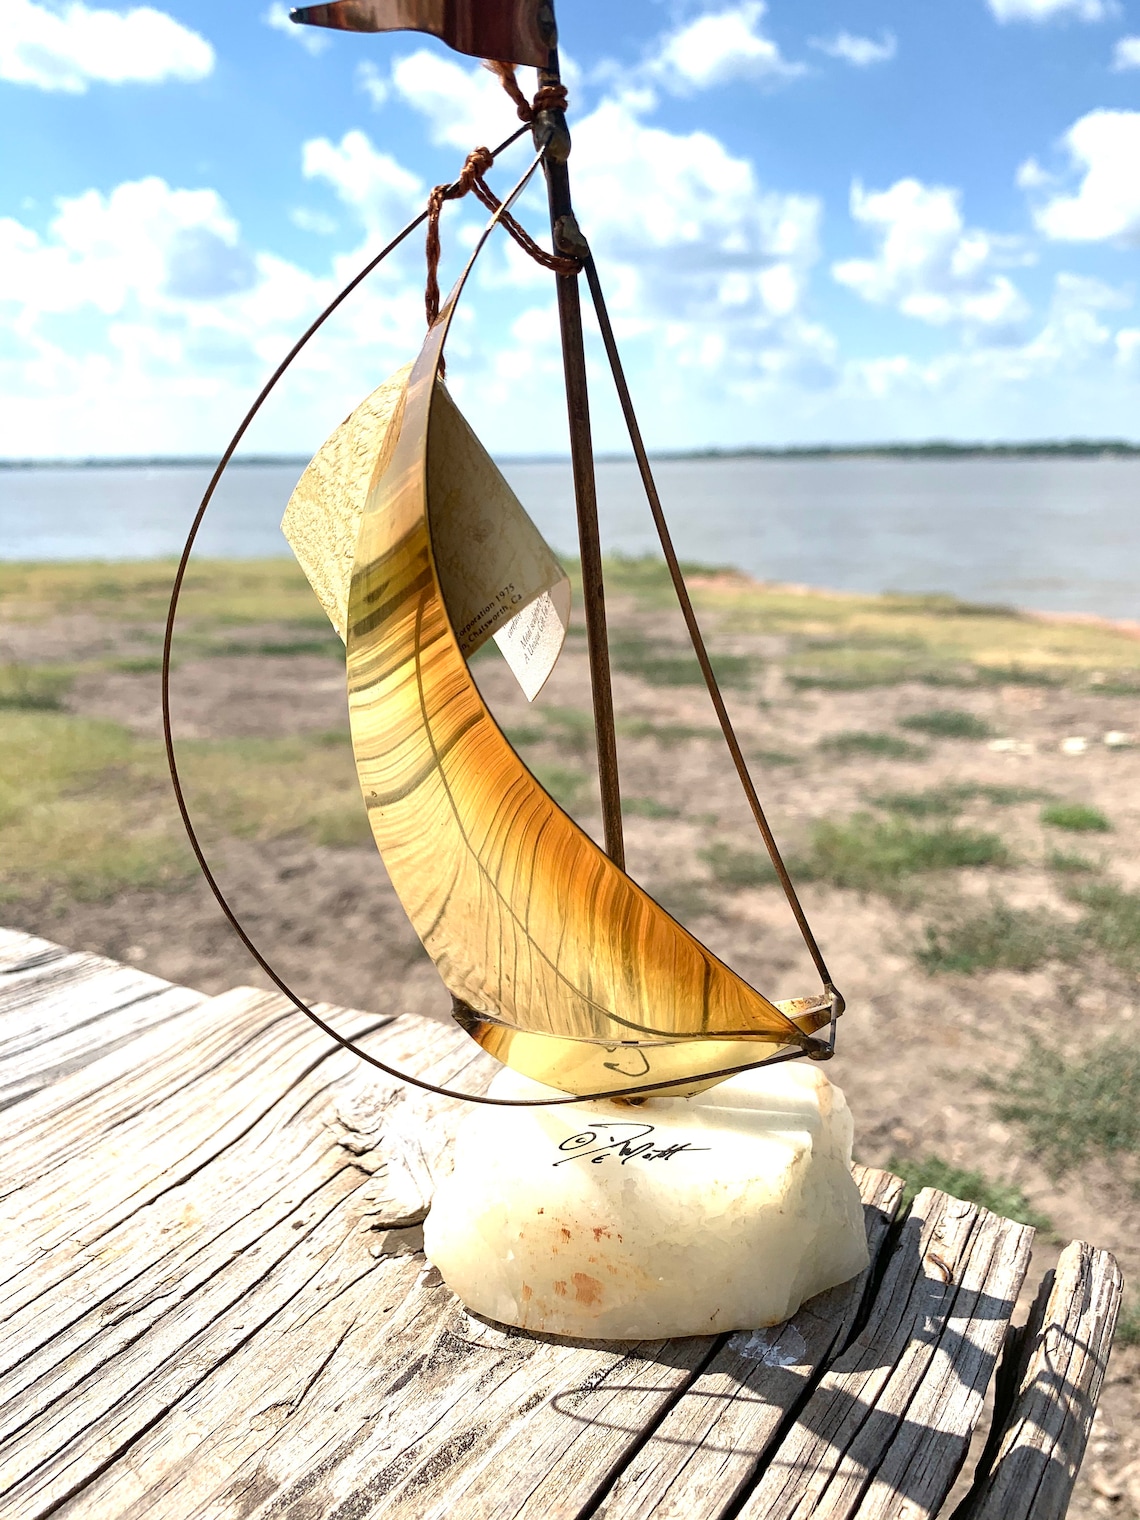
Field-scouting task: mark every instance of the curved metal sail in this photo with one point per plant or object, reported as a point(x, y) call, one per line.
point(561, 965)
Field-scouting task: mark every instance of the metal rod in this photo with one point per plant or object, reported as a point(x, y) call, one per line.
point(690, 616)
point(585, 486)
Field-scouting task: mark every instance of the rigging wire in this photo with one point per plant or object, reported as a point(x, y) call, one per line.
point(810, 1045)
point(694, 630)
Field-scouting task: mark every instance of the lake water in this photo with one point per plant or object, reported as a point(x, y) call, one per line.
point(1055, 534)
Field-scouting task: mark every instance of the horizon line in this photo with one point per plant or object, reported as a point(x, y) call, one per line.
point(935, 447)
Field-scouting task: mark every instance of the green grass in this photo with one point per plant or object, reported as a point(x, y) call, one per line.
point(1111, 923)
point(565, 784)
point(278, 648)
point(666, 734)
point(1069, 863)
point(1074, 1107)
point(86, 807)
point(947, 723)
point(1016, 675)
point(1077, 816)
point(83, 809)
point(1128, 1324)
point(736, 869)
point(684, 899)
point(972, 1187)
point(648, 807)
point(570, 728)
point(998, 938)
point(872, 854)
point(661, 664)
point(524, 733)
point(858, 742)
point(138, 665)
point(944, 801)
point(33, 688)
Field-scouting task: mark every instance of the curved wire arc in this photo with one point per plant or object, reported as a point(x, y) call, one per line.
point(815, 1047)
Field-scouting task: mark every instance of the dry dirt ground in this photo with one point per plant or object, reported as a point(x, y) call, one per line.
point(260, 707)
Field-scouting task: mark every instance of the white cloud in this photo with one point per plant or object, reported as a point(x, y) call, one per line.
point(382, 193)
point(172, 321)
point(858, 51)
point(318, 222)
point(372, 82)
point(717, 48)
point(71, 46)
point(464, 107)
point(929, 265)
point(1031, 176)
point(311, 38)
point(1126, 54)
point(1105, 145)
point(1045, 10)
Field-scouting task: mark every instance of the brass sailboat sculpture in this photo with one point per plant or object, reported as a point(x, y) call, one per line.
point(558, 963)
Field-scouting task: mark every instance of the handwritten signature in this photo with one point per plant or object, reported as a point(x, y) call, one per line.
point(596, 1146)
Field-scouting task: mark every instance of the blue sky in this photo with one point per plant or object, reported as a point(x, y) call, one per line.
point(815, 222)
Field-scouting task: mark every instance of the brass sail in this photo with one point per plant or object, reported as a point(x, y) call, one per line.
point(562, 966)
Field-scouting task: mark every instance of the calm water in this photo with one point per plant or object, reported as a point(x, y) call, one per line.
point(1061, 534)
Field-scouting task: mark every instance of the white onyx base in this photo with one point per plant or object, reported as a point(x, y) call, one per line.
point(682, 1216)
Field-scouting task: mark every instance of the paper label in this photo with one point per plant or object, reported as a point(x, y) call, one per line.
point(498, 576)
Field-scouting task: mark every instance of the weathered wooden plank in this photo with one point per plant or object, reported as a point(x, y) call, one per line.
point(19, 949)
point(704, 1452)
point(60, 1009)
point(177, 1287)
point(139, 1134)
point(1053, 1380)
point(887, 1429)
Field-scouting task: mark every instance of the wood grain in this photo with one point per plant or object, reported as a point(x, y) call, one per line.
point(60, 1010)
point(1052, 1383)
point(887, 1429)
point(710, 1444)
point(215, 1304)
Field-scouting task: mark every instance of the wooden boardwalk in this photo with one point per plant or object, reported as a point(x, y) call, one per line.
point(216, 1304)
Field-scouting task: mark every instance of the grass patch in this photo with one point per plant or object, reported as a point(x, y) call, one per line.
point(972, 1187)
point(33, 688)
point(737, 869)
point(1128, 1324)
point(1069, 863)
point(648, 807)
point(138, 665)
point(571, 728)
point(1074, 1107)
point(669, 665)
point(857, 742)
point(1112, 922)
point(770, 757)
point(1016, 675)
point(947, 723)
point(276, 648)
point(1077, 816)
point(524, 734)
point(564, 784)
point(943, 801)
point(998, 938)
point(684, 899)
point(83, 809)
point(667, 734)
point(872, 854)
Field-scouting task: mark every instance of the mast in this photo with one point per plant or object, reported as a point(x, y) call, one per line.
point(550, 126)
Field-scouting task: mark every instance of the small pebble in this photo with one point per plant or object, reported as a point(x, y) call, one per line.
point(1114, 739)
point(1074, 746)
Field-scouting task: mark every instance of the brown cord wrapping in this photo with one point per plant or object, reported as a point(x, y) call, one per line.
point(549, 97)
